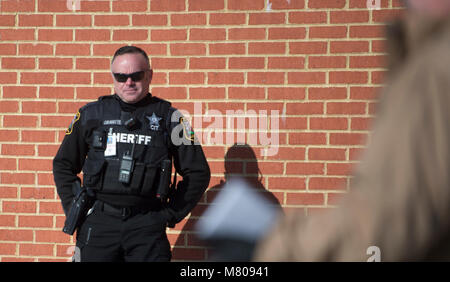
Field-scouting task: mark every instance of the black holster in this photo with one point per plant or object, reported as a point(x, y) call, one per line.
point(83, 201)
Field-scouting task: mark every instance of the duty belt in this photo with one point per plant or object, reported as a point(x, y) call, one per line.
point(123, 212)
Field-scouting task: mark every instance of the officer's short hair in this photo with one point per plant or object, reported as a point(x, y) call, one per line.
point(130, 50)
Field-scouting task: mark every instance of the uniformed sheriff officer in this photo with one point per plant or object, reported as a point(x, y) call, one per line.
point(120, 143)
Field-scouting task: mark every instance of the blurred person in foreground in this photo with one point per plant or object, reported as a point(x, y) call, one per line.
point(400, 199)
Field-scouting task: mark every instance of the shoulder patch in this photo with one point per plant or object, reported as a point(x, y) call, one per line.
point(75, 119)
point(187, 129)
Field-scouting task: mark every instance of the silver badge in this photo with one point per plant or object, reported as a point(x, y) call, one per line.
point(154, 121)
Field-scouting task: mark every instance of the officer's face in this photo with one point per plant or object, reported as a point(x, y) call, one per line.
point(133, 88)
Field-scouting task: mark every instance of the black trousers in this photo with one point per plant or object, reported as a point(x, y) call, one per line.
point(105, 237)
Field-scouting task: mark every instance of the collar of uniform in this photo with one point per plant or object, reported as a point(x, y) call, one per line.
point(409, 34)
point(127, 107)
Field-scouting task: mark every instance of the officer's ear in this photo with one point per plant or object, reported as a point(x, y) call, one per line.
point(150, 74)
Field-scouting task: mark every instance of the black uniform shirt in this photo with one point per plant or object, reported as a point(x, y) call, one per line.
point(189, 162)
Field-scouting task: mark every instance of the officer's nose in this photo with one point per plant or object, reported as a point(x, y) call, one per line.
point(129, 81)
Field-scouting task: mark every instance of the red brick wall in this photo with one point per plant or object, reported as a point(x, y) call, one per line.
point(318, 62)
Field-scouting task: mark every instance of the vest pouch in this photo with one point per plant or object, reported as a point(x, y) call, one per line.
point(92, 173)
point(111, 182)
point(150, 180)
point(136, 178)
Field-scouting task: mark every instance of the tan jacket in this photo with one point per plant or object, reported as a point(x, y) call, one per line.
point(400, 199)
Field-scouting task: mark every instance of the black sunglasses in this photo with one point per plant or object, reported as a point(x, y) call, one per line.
point(135, 76)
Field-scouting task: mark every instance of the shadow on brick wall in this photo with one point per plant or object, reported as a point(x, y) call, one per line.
point(240, 160)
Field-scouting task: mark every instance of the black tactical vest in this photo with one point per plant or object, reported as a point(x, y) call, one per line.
point(149, 133)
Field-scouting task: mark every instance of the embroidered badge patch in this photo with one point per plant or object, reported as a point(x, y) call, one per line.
point(187, 129)
point(75, 119)
point(154, 121)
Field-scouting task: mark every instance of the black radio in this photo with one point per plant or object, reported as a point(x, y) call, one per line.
point(127, 165)
point(126, 168)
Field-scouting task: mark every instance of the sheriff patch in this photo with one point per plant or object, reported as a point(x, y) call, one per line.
point(75, 119)
point(131, 138)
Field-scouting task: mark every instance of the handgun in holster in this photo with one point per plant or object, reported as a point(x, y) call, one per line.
point(83, 201)
point(166, 189)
